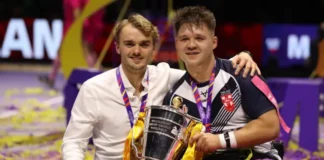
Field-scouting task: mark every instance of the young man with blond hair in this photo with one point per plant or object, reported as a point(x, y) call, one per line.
point(108, 105)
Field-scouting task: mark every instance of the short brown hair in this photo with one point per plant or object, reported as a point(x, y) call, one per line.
point(142, 24)
point(194, 15)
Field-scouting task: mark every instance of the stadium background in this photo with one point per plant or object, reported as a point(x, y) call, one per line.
point(279, 34)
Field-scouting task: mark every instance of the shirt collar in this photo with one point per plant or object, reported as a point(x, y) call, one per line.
point(188, 77)
point(128, 85)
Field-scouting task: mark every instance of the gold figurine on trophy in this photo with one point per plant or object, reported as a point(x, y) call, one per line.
point(177, 102)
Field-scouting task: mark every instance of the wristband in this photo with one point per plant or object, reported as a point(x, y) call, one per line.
point(227, 140)
point(222, 140)
point(232, 139)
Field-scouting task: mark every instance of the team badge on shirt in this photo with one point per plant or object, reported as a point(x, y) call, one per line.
point(227, 100)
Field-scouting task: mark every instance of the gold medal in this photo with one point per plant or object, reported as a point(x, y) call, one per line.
point(177, 102)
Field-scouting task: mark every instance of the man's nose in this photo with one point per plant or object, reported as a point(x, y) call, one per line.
point(192, 44)
point(137, 49)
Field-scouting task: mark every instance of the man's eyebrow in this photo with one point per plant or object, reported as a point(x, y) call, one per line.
point(146, 41)
point(127, 41)
point(183, 36)
point(200, 35)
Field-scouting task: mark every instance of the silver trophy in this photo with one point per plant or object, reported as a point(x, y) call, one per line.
point(166, 134)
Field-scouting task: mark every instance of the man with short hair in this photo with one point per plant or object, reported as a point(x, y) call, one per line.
point(109, 104)
point(235, 111)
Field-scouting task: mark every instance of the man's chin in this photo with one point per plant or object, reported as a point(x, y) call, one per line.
point(192, 62)
point(138, 66)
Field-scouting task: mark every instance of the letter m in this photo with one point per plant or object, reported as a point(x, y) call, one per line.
point(298, 48)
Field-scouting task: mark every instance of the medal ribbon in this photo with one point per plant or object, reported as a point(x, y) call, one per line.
point(126, 99)
point(136, 130)
point(263, 87)
point(205, 117)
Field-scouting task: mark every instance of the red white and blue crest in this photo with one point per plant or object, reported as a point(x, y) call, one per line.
point(227, 100)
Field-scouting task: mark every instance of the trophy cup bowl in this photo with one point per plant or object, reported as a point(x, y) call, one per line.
point(166, 133)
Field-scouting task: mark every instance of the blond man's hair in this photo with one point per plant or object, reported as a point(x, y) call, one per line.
point(142, 24)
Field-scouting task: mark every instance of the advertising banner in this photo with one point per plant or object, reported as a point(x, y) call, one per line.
point(288, 44)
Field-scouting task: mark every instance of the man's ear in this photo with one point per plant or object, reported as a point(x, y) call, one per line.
point(117, 47)
point(215, 42)
point(155, 50)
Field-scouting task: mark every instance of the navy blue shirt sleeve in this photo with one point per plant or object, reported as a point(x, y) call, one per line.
point(254, 102)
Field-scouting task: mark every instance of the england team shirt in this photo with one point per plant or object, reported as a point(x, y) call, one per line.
point(235, 100)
